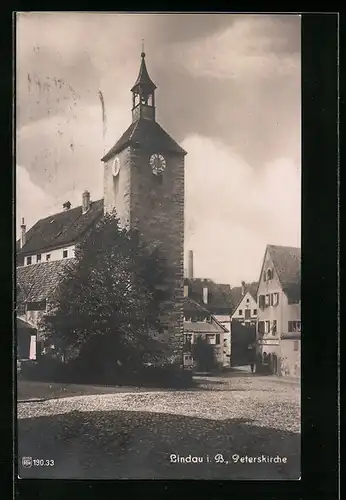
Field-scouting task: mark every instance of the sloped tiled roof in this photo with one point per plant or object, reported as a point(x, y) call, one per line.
point(219, 295)
point(190, 307)
point(38, 281)
point(287, 264)
point(201, 327)
point(61, 229)
point(237, 295)
point(146, 133)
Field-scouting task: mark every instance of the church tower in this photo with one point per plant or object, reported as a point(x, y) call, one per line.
point(144, 183)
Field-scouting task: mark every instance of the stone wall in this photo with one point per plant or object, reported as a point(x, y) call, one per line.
point(157, 211)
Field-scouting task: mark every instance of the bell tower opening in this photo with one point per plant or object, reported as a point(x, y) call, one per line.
point(143, 95)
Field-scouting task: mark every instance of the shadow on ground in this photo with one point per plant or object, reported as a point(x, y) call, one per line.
point(138, 445)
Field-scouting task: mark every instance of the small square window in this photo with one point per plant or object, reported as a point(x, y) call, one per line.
point(64, 254)
point(48, 257)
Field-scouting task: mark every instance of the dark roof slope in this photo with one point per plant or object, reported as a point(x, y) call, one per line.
point(191, 306)
point(38, 281)
point(219, 295)
point(148, 134)
point(287, 263)
point(61, 229)
point(143, 80)
point(236, 293)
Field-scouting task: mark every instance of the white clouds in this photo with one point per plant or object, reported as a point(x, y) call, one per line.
point(233, 208)
point(243, 50)
point(233, 212)
point(32, 202)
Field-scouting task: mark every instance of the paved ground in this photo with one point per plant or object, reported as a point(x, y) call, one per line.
point(133, 434)
point(31, 390)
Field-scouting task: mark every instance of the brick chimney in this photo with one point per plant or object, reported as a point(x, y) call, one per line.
point(190, 265)
point(85, 201)
point(22, 234)
point(243, 288)
point(66, 206)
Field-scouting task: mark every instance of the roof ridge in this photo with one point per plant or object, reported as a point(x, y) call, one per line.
point(65, 211)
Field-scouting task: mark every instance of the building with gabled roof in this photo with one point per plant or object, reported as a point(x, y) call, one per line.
point(214, 297)
point(245, 309)
point(55, 237)
point(200, 322)
point(279, 310)
point(37, 286)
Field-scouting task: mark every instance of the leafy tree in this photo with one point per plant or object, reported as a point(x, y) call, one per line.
point(108, 306)
point(203, 354)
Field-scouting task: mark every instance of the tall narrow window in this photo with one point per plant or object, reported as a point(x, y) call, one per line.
point(64, 254)
point(267, 326)
point(38, 258)
point(274, 327)
point(48, 257)
point(217, 340)
point(28, 260)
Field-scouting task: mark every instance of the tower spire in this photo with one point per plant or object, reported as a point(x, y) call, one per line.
point(143, 102)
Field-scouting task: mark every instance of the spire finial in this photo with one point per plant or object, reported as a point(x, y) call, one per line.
point(143, 53)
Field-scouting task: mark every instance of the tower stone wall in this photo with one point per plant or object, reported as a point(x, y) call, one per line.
point(157, 211)
point(151, 200)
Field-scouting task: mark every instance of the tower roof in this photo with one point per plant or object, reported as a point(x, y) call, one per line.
point(146, 134)
point(143, 80)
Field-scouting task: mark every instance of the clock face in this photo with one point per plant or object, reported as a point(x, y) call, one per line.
point(157, 163)
point(115, 166)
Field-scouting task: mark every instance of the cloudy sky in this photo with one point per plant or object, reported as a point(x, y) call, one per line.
point(228, 92)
